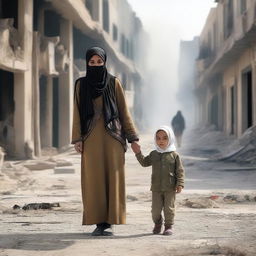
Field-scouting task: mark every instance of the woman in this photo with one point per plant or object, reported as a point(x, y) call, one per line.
point(101, 125)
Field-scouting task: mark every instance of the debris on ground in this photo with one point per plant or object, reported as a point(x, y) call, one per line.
point(218, 146)
point(36, 206)
point(200, 203)
point(232, 198)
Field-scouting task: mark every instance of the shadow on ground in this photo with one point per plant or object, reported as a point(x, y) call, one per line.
point(51, 241)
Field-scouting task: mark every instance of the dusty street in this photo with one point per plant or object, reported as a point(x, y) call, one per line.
point(216, 212)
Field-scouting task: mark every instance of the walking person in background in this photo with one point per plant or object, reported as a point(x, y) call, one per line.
point(167, 178)
point(101, 126)
point(178, 125)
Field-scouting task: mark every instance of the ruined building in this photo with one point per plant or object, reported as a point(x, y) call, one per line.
point(42, 52)
point(226, 65)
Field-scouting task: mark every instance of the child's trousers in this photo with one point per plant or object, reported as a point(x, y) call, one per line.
point(163, 201)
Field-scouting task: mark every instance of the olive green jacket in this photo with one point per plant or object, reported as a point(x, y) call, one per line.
point(167, 170)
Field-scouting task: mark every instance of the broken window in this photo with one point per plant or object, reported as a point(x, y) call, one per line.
point(232, 110)
point(247, 100)
point(51, 23)
point(243, 6)
point(122, 44)
point(9, 9)
point(213, 111)
point(228, 18)
point(93, 7)
point(106, 15)
point(7, 108)
point(88, 4)
point(115, 33)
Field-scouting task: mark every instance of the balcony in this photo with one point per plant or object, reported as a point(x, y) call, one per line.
point(243, 35)
point(11, 53)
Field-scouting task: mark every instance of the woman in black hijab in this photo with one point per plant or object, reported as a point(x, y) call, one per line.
point(101, 126)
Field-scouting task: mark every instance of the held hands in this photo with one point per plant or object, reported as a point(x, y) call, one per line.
point(135, 147)
point(179, 189)
point(79, 147)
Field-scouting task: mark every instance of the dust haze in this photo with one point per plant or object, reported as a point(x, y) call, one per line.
point(167, 23)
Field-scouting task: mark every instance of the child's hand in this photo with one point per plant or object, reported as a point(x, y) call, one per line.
point(179, 189)
point(135, 147)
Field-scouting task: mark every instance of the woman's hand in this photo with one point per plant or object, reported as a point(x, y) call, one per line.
point(135, 147)
point(79, 147)
point(179, 189)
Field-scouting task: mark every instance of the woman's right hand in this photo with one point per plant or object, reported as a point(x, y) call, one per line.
point(135, 147)
point(79, 147)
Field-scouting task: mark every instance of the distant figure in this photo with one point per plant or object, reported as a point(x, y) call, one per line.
point(178, 125)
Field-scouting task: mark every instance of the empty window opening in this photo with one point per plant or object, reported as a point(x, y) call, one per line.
point(93, 8)
point(232, 110)
point(9, 9)
point(228, 18)
point(106, 15)
point(243, 6)
point(7, 108)
point(88, 4)
point(247, 100)
point(115, 33)
point(213, 111)
point(51, 23)
point(55, 117)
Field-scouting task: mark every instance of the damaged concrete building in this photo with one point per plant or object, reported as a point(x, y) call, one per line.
point(226, 67)
point(42, 52)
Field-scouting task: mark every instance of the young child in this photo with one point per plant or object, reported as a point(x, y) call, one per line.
point(167, 178)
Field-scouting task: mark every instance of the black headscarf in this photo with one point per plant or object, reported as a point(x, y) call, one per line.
point(93, 85)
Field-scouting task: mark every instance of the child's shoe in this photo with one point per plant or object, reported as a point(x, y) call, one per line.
point(168, 230)
point(157, 229)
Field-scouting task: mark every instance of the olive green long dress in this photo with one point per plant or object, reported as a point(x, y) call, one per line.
point(102, 165)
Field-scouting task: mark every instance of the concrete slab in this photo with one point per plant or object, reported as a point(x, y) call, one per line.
point(64, 170)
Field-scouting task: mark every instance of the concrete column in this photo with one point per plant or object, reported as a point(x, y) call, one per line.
point(36, 94)
point(23, 83)
point(66, 87)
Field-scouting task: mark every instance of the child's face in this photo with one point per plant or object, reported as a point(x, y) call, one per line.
point(162, 139)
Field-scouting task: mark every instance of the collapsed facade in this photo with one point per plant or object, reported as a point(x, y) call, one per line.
point(42, 53)
point(226, 67)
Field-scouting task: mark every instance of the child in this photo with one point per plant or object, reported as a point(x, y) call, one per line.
point(167, 178)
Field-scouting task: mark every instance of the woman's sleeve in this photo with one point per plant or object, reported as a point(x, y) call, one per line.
point(124, 114)
point(76, 132)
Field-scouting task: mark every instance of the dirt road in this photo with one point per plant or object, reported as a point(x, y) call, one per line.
point(216, 213)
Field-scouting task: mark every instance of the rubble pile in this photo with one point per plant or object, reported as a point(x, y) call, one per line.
point(200, 203)
point(218, 146)
point(36, 206)
point(243, 150)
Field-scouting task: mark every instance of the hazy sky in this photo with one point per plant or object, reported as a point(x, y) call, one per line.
point(167, 22)
point(186, 17)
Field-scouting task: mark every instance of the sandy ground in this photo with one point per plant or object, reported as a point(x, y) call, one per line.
point(222, 225)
